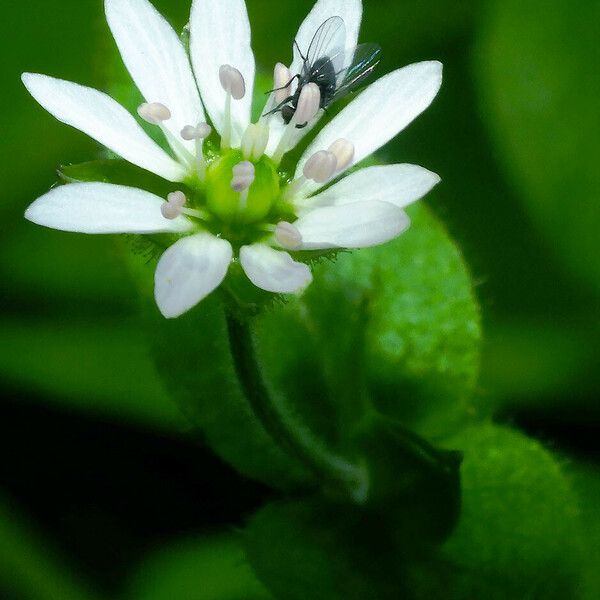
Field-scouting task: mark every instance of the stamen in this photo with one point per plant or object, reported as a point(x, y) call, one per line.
point(172, 208)
point(288, 236)
point(307, 109)
point(177, 199)
point(235, 86)
point(243, 177)
point(198, 134)
point(344, 152)
point(321, 166)
point(281, 82)
point(170, 211)
point(232, 81)
point(255, 141)
point(175, 206)
point(202, 131)
point(308, 104)
point(154, 112)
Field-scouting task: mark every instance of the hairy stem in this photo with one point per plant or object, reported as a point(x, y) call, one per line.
point(293, 437)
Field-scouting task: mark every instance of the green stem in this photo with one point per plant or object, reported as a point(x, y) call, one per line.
point(293, 437)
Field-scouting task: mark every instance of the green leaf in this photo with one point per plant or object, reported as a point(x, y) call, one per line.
point(100, 368)
point(547, 367)
point(44, 269)
point(207, 568)
point(303, 550)
point(30, 567)
point(399, 323)
point(586, 481)
point(519, 536)
point(538, 82)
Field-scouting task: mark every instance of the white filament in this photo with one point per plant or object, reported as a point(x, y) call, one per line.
point(255, 141)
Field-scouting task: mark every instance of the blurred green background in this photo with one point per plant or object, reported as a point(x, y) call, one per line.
point(103, 480)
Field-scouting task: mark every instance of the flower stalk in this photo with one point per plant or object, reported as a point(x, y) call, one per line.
point(292, 437)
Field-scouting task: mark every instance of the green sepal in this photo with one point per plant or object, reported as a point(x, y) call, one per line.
point(118, 172)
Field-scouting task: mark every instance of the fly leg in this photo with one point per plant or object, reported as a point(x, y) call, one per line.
point(279, 106)
point(283, 87)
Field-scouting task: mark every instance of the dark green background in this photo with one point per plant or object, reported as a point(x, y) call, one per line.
point(100, 468)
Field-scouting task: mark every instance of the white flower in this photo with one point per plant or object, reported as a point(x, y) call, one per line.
point(234, 203)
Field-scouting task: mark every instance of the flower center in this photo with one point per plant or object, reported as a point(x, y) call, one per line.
point(238, 193)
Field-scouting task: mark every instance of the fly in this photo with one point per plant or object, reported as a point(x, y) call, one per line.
point(336, 70)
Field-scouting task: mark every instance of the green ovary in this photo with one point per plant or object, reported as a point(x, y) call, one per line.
point(226, 204)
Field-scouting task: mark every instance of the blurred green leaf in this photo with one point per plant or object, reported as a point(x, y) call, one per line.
point(541, 365)
point(539, 85)
point(303, 550)
point(102, 369)
point(30, 567)
point(72, 273)
point(207, 568)
point(519, 535)
point(585, 476)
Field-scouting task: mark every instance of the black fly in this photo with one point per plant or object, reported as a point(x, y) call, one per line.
point(335, 69)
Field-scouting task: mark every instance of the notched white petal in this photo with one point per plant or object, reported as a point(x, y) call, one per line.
point(220, 35)
point(156, 60)
point(103, 119)
point(356, 225)
point(377, 115)
point(103, 208)
point(400, 185)
point(189, 271)
point(273, 270)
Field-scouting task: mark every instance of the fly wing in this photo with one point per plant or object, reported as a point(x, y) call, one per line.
point(362, 63)
point(329, 41)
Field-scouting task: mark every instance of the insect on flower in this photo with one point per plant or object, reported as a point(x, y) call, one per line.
point(233, 203)
point(333, 68)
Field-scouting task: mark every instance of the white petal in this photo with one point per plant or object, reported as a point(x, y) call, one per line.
point(102, 208)
point(189, 271)
point(356, 225)
point(351, 13)
point(103, 119)
point(349, 10)
point(274, 271)
point(220, 35)
point(157, 61)
point(400, 185)
point(384, 109)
